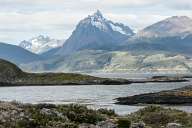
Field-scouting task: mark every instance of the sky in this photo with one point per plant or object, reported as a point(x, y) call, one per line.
point(24, 19)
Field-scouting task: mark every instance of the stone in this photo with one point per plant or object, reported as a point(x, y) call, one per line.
point(84, 125)
point(138, 125)
point(174, 125)
point(107, 124)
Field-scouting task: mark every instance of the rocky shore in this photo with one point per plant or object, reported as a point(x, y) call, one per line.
point(172, 97)
point(18, 115)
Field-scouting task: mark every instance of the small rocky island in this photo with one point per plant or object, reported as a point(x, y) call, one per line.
point(172, 97)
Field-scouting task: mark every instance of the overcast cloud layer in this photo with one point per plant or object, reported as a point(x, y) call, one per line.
point(23, 19)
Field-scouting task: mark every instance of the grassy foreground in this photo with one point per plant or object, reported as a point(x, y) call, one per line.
point(17, 115)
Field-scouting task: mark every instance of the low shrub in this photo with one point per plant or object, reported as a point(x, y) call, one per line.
point(124, 123)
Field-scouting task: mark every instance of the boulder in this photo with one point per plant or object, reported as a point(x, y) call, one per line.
point(107, 124)
point(174, 125)
point(84, 125)
point(138, 125)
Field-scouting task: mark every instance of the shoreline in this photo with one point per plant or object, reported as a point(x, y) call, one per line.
point(101, 81)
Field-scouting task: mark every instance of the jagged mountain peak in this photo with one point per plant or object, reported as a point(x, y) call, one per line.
point(98, 21)
point(98, 14)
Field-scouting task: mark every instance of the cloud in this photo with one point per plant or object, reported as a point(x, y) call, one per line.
point(19, 26)
point(44, 5)
point(180, 4)
point(21, 19)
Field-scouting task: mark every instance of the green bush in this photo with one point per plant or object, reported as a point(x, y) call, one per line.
point(80, 114)
point(124, 123)
point(156, 116)
point(107, 112)
point(25, 123)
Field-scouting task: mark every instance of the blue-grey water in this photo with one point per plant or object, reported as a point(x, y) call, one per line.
point(95, 96)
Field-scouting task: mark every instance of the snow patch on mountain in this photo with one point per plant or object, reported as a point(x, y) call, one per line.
point(117, 29)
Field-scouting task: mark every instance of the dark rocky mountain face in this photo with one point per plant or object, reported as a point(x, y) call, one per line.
point(96, 32)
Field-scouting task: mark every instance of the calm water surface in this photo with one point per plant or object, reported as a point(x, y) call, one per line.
point(95, 96)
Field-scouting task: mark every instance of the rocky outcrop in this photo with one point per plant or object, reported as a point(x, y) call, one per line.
point(138, 125)
point(172, 97)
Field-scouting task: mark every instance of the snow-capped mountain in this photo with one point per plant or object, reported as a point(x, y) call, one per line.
point(96, 32)
point(176, 26)
point(41, 44)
